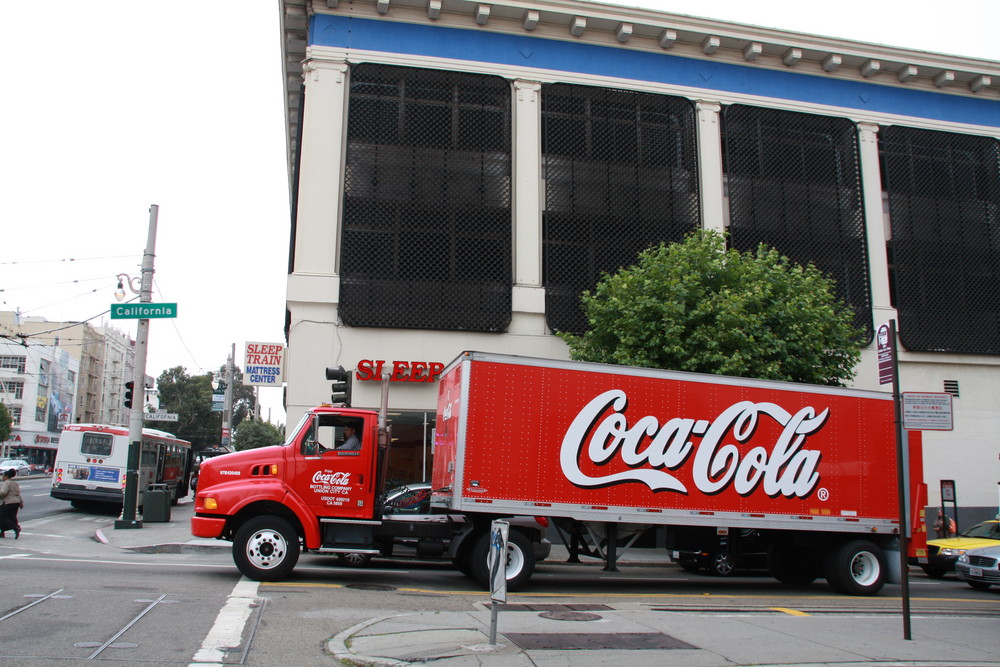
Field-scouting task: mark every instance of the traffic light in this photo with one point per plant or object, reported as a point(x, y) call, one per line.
point(128, 393)
point(341, 386)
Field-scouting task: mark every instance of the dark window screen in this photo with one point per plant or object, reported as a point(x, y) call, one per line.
point(427, 201)
point(794, 184)
point(96, 444)
point(620, 175)
point(944, 203)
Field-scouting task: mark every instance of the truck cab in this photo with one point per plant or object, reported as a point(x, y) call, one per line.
point(322, 491)
point(318, 490)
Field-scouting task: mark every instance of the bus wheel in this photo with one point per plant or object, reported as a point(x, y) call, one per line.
point(856, 568)
point(520, 562)
point(266, 548)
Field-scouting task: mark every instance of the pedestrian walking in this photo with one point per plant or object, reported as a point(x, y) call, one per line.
point(10, 496)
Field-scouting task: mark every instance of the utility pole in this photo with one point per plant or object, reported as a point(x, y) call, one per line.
point(227, 416)
point(130, 501)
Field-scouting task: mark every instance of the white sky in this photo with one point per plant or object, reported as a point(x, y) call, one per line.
point(111, 106)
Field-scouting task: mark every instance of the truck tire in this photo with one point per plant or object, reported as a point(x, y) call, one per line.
point(722, 564)
point(790, 565)
point(856, 568)
point(520, 560)
point(266, 548)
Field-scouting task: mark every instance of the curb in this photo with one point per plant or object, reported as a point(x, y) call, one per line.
point(338, 645)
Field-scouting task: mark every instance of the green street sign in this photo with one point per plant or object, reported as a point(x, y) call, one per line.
point(142, 311)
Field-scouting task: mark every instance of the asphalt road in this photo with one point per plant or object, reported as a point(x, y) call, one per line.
point(68, 599)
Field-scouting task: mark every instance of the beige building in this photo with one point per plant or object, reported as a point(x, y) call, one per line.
point(105, 358)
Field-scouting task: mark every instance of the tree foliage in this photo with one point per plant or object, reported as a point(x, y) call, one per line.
point(190, 396)
point(253, 434)
point(6, 423)
point(696, 306)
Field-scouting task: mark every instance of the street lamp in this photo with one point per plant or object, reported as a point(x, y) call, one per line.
point(134, 284)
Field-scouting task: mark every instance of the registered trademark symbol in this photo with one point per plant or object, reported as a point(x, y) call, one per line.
point(823, 494)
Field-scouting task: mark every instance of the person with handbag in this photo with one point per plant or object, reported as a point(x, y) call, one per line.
point(10, 496)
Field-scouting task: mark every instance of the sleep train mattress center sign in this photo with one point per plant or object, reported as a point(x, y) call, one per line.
point(265, 364)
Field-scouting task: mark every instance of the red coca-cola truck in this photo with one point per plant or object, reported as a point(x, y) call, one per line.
point(809, 471)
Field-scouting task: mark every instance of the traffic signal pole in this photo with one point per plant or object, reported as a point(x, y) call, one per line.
point(130, 502)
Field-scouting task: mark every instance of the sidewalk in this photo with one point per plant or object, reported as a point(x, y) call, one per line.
point(537, 632)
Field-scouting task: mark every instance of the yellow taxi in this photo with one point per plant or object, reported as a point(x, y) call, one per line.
point(942, 554)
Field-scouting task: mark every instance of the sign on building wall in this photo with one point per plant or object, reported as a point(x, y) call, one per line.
point(264, 364)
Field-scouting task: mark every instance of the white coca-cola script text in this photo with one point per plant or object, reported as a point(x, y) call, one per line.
point(331, 478)
point(601, 433)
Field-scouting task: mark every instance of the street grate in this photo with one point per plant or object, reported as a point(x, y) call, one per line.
point(623, 641)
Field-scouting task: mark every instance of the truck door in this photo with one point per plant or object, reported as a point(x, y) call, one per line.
point(334, 467)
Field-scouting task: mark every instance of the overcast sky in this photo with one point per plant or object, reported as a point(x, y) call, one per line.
point(110, 106)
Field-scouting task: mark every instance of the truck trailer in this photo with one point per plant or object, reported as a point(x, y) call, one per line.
point(809, 470)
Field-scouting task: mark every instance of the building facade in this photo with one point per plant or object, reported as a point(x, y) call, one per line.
point(39, 387)
point(461, 172)
point(105, 358)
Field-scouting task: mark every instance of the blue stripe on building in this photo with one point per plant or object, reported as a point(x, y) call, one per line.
point(535, 52)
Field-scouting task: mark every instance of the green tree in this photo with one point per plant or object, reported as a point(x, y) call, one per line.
point(6, 423)
point(253, 434)
point(190, 396)
point(696, 306)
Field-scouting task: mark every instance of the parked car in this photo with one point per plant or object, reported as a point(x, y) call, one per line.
point(22, 467)
point(942, 554)
point(980, 568)
point(415, 499)
point(722, 555)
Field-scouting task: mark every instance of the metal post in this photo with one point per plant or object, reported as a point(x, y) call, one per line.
point(130, 501)
point(900, 483)
point(227, 415)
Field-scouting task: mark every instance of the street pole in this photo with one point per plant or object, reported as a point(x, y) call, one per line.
point(904, 567)
point(227, 416)
point(130, 501)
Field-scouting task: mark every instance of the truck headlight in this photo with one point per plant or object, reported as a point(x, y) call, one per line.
point(211, 503)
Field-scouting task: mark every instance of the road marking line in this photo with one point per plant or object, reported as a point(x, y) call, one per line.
point(227, 631)
point(790, 612)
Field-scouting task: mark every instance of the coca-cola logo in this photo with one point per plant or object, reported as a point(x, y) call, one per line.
point(601, 434)
point(331, 478)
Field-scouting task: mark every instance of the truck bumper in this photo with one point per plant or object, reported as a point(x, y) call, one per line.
point(203, 526)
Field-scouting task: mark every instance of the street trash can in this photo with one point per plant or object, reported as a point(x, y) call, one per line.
point(156, 503)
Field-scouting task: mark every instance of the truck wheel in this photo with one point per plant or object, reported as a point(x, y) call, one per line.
point(856, 568)
point(266, 548)
point(520, 560)
point(791, 566)
point(722, 564)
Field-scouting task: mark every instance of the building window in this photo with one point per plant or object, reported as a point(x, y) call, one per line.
point(15, 414)
point(794, 184)
point(13, 362)
point(944, 206)
point(427, 227)
point(13, 388)
point(620, 173)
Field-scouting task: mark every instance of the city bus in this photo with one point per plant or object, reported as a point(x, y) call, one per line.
point(92, 459)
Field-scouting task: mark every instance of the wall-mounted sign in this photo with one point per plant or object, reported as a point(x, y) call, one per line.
point(265, 364)
point(399, 371)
